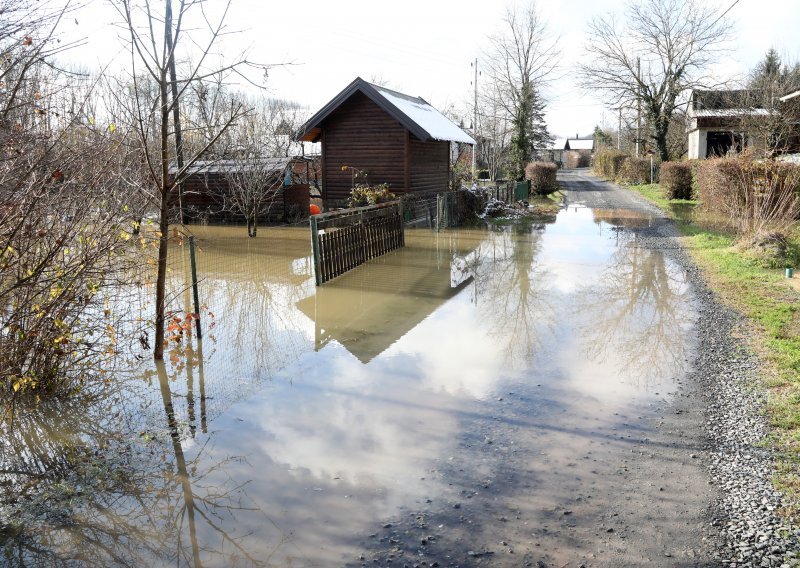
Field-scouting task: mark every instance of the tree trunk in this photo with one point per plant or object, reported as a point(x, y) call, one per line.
point(163, 220)
point(660, 136)
point(161, 279)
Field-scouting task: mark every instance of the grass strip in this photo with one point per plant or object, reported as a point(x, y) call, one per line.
point(771, 303)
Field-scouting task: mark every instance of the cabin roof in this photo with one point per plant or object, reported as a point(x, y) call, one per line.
point(414, 113)
point(244, 165)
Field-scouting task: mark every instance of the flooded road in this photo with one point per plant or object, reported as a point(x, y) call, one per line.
point(481, 397)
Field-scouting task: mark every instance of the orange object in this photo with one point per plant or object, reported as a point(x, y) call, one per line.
point(315, 210)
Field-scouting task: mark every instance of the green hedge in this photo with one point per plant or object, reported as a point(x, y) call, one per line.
point(608, 163)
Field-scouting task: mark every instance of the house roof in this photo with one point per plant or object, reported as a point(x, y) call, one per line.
point(790, 96)
point(579, 144)
point(413, 113)
point(728, 112)
point(558, 144)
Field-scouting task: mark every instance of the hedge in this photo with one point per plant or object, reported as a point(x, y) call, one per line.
point(745, 190)
point(542, 176)
point(608, 163)
point(676, 179)
point(635, 171)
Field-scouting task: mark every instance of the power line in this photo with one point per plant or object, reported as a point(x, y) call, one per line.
point(725, 12)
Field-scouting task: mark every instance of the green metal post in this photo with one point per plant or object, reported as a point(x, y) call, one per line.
point(315, 248)
point(194, 287)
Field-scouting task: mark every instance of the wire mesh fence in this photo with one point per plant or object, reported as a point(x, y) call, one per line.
point(248, 295)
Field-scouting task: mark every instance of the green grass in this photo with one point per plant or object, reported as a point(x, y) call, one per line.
point(772, 308)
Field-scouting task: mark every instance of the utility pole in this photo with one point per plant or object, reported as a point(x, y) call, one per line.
point(619, 130)
point(475, 122)
point(638, 105)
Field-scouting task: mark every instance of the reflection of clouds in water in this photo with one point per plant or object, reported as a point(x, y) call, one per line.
point(572, 251)
point(364, 424)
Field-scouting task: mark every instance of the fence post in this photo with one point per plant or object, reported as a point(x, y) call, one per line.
point(194, 286)
point(315, 249)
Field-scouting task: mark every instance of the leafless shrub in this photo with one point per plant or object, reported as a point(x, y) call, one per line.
point(253, 188)
point(542, 176)
point(63, 239)
point(676, 179)
point(577, 159)
point(634, 171)
point(608, 163)
point(755, 196)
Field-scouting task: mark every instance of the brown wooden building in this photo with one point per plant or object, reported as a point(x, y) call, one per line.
point(394, 138)
point(287, 184)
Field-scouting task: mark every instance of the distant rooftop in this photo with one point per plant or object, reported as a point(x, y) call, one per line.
point(579, 144)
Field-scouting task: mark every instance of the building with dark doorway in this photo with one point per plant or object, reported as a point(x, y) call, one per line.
point(726, 122)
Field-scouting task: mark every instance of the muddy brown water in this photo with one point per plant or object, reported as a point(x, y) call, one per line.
point(469, 399)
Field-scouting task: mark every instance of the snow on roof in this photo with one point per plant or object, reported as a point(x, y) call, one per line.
point(558, 144)
point(228, 166)
point(579, 144)
point(726, 112)
point(790, 96)
point(438, 126)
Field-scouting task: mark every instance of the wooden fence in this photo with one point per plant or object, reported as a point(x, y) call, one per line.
point(342, 240)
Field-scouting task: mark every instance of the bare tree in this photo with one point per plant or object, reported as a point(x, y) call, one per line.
point(653, 57)
point(253, 188)
point(153, 39)
point(768, 116)
point(494, 136)
point(518, 64)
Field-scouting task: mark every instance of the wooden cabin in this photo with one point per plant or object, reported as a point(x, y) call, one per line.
point(393, 138)
point(287, 185)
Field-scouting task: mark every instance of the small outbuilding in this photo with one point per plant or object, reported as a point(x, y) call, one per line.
point(391, 137)
point(717, 122)
point(286, 184)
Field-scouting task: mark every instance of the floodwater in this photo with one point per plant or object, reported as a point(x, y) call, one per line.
point(307, 420)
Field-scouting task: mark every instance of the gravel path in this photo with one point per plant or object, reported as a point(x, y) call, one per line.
point(744, 527)
point(686, 485)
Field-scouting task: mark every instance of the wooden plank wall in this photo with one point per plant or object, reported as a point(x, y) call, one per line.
point(430, 163)
point(344, 240)
point(362, 135)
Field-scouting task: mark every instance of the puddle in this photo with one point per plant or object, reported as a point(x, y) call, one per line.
point(307, 418)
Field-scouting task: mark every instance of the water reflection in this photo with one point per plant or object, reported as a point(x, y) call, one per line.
point(637, 313)
point(307, 416)
point(366, 311)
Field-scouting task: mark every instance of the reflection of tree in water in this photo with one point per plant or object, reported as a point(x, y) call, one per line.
point(252, 289)
point(511, 290)
point(637, 313)
point(83, 484)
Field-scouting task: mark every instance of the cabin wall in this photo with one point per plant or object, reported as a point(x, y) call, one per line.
point(430, 165)
point(204, 199)
point(361, 135)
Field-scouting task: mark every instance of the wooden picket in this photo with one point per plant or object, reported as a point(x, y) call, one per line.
point(342, 240)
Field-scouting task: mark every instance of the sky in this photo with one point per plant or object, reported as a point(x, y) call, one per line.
point(425, 47)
